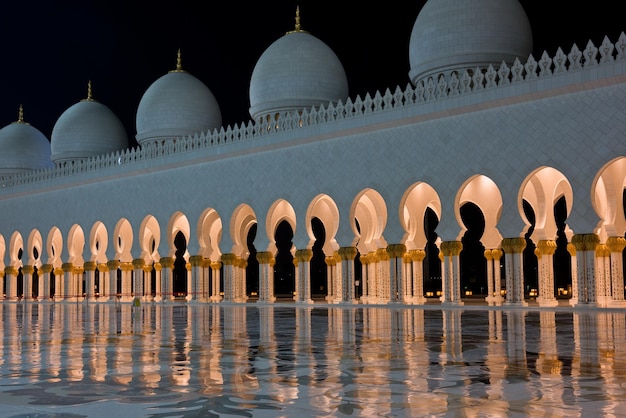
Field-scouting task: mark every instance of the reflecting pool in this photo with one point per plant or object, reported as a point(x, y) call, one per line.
point(196, 360)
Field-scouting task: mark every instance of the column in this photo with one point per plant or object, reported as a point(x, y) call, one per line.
point(138, 280)
point(2, 289)
point(348, 254)
point(216, 267)
point(330, 278)
point(190, 285)
point(493, 256)
point(242, 294)
point(383, 285)
point(373, 260)
point(338, 285)
point(44, 282)
point(147, 282)
point(127, 290)
point(69, 285)
point(204, 280)
point(514, 274)
point(90, 280)
point(27, 283)
point(616, 246)
point(365, 260)
point(59, 283)
point(450, 273)
point(104, 287)
point(229, 260)
point(158, 282)
point(417, 258)
point(576, 295)
point(603, 274)
point(304, 275)
point(167, 286)
point(585, 245)
point(266, 277)
point(111, 290)
point(396, 259)
point(194, 289)
point(545, 257)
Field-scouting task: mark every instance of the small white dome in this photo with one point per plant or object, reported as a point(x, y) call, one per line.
point(176, 105)
point(453, 35)
point(298, 71)
point(85, 130)
point(23, 148)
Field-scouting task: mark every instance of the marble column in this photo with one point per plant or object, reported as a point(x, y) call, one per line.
point(216, 290)
point(138, 280)
point(194, 291)
point(585, 246)
point(90, 280)
point(303, 275)
point(348, 254)
point(396, 262)
point(616, 247)
point(266, 277)
point(127, 290)
point(450, 272)
point(417, 259)
point(111, 290)
point(27, 283)
point(545, 257)
point(514, 273)
point(44, 282)
point(167, 286)
point(229, 261)
point(494, 297)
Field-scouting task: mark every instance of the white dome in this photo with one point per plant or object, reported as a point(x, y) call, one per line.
point(464, 34)
point(23, 148)
point(298, 71)
point(176, 105)
point(87, 129)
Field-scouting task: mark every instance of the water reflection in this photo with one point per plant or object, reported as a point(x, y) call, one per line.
point(264, 360)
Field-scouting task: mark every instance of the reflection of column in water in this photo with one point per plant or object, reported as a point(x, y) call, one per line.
point(149, 365)
point(214, 382)
point(371, 374)
point(99, 341)
point(585, 359)
point(452, 344)
point(12, 337)
point(549, 367)
point(122, 363)
point(180, 329)
point(496, 363)
point(517, 367)
point(54, 343)
point(334, 352)
point(74, 342)
point(32, 351)
point(611, 338)
point(305, 361)
point(236, 344)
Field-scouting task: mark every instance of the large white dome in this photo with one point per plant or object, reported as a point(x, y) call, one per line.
point(176, 105)
point(453, 35)
point(87, 129)
point(23, 148)
point(298, 71)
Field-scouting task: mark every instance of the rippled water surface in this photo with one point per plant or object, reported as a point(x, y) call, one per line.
point(178, 360)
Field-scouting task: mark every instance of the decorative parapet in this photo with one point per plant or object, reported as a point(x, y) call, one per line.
point(428, 90)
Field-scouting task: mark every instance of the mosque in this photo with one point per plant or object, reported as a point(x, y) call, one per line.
point(492, 173)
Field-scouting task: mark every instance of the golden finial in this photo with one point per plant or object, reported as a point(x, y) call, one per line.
point(89, 93)
point(20, 115)
point(298, 27)
point(179, 65)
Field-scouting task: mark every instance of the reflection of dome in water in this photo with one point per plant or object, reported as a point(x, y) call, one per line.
point(297, 71)
point(176, 105)
point(87, 129)
point(464, 34)
point(23, 148)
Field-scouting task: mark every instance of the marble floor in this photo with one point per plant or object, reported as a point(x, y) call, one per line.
point(286, 360)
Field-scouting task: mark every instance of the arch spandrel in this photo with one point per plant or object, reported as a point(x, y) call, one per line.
point(34, 241)
point(607, 192)
point(210, 234)
point(484, 193)
point(281, 210)
point(325, 209)
point(98, 243)
point(413, 205)
point(149, 237)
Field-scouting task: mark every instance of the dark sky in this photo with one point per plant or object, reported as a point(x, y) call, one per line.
point(52, 48)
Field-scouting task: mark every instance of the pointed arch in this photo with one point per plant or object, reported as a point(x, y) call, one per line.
point(149, 239)
point(177, 223)
point(35, 243)
point(280, 211)
point(607, 191)
point(75, 245)
point(370, 211)
point(484, 193)
point(240, 223)
point(325, 209)
point(16, 248)
point(54, 247)
point(3, 249)
point(210, 234)
point(416, 200)
point(542, 188)
point(123, 241)
point(98, 243)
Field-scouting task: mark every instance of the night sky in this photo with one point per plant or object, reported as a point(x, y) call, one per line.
point(51, 48)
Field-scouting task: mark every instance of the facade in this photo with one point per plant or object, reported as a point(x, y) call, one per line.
point(481, 123)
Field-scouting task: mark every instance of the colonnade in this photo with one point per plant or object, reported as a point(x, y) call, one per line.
point(390, 275)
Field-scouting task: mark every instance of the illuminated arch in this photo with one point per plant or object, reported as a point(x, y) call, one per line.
point(370, 210)
point(280, 211)
point(98, 243)
point(35, 242)
point(178, 223)
point(242, 220)
point(413, 205)
point(149, 239)
point(16, 243)
point(123, 241)
point(484, 193)
point(75, 245)
point(324, 208)
point(607, 192)
point(54, 247)
point(210, 234)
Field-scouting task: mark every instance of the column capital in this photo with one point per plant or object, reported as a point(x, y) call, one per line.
point(330, 261)
point(602, 250)
point(126, 266)
point(28, 269)
point(103, 267)
point(546, 246)
point(616, 244)
point(348, 253)
point(452, 248)
point(67, 267)
point(167, 262)
point(196, 260)
point(216, 265)
point(514, 245)
point(157, 266)
point(585, 242)
point(264, 257)
point(113, 264)
point(138, 263)
point(46, 268)
point(417, 255)
point(147, 268)
point(90, 265)
point(229, 259)
point(382, 254)
point(304, 255)
point(10, 270)
point(571, 249)
point(396, 250)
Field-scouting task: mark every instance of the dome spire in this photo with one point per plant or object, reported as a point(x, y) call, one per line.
point(298, 27)
point(20, 115)
point(179, 65)
point(89, 93)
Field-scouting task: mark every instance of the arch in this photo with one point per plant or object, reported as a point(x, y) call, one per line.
point(484, 193)
point(16, 244)
point(370, 210)
point(415, 201)
point(54, 247)
point(607, 191)
point(75, 245)
point(281, 210)
point(149, 239)
point(325, 209)
point(98, 243)
point(178, 223)
point(3, 249)
point(123, 241)
point(35, 242)
point(542, 188)
point(240, 223)
point(210, 234)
